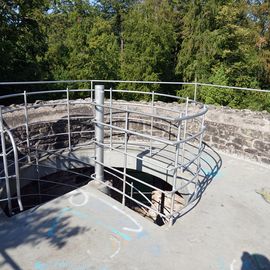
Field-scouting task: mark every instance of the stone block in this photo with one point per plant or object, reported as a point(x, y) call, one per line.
point(262, 146)
point(251, 133)
point(265, 160)
point(233, 146)
point(218, 140)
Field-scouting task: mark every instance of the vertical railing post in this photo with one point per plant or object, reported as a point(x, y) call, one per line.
point(125, 159)
point(38, 175)
point(175, 174)
point(184, 134)
point(4, 156)
point(111, 119)
point(26, 124)
point(91, 93)
point(99, 130)
point(199, 147)
point(68, 119)
point(152, 120)
point(195, 89)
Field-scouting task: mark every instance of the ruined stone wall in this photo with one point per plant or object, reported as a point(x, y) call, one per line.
point(241, 133)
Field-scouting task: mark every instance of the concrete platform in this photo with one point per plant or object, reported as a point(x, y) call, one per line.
point(88, 230)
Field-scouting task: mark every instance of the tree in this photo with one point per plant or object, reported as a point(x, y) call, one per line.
point(23, 41)
point(81, 43)
point(149, 43)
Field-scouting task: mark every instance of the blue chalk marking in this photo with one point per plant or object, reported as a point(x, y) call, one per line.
point(79, 214)
point(40, 266)
point(123, 235)
point(155, 250)
point(103, 268)
point(142, 234)
point(82, 215)
point(221, 264)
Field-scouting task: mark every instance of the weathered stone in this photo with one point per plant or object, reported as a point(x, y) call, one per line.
point(241, 140)
point(261, 146)
point(211, 130)
point(218, 140)
point(251, 151)
point(233, 146)
point(231, 131)
point(266, 137)
point(252, 133)
point(266, 160)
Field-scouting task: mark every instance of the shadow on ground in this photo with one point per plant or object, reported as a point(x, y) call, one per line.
point(32, 228)
point(254, 262)
point(211, 164)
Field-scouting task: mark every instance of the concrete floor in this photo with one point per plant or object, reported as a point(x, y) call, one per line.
point(229, 229)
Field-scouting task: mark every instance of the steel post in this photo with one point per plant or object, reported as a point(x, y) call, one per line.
point(4, 156)
point(26, 125)
point(68, 119)
point(17, 169)
point(99, 130)
point(91, 93)
point(125, 159)
point(195, 89)
point(175, 176)
point(111, 130)
point(185, 133)
point(152, 120)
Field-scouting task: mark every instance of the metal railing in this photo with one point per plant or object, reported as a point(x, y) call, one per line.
point(172, 138)
point(196, 85)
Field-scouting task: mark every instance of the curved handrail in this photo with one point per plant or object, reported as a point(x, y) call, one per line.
point(17, 170)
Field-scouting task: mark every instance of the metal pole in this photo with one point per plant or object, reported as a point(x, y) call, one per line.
point(125, 160)
point(152, 120)
point(91, 93)
point(111, 118)
point(17, 170)
point(38, 175)
point(175, 175)
point(5, 162)
point(99, 130)
point(195, 90)
point(199, 148)
point(26, 125)
point(68, 115)
point(185, 132)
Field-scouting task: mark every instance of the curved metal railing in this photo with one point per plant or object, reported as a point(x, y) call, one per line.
point(171, 138)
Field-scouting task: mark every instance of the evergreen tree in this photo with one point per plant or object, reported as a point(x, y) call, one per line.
point(22, 43)
point(149, 43)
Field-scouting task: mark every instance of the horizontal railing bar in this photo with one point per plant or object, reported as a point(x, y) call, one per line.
point(133, 178)
point(234, 87)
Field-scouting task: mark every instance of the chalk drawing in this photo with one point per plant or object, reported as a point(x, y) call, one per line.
point(81, 192)
point(221, 264)
point(118, 247)
point(231, 265)
point(59, 264)
point(86, 194)
point(139, 227)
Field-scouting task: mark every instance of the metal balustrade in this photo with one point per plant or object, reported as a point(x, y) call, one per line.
point(168, 144)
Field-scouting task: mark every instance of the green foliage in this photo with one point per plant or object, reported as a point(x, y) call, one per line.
point(223, 42)
point(149, 41)
point(22, 43)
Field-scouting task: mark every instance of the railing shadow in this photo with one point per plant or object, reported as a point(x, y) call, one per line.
point(211, 164)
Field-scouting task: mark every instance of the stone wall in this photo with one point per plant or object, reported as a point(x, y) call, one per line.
point(240, 133)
